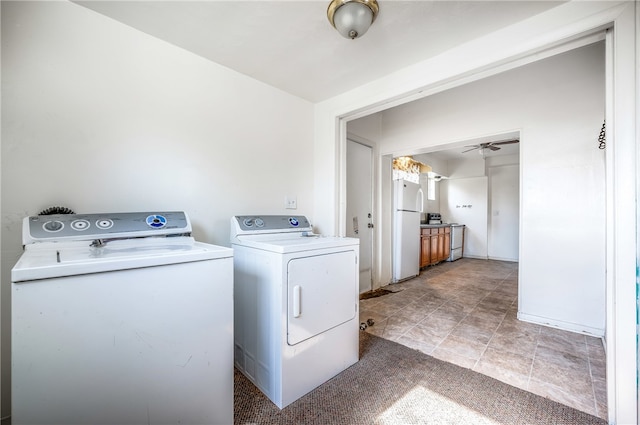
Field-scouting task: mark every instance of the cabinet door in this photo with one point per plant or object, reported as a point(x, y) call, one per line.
point(447, 245)
point(425, 251)
point(434, 249)
point(440, 247)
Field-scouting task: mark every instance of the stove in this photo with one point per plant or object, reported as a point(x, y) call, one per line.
point(433, 218)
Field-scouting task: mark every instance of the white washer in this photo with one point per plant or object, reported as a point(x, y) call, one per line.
point(135, 327)
point(296, 304)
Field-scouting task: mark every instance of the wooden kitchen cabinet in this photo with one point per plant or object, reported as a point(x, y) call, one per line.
point(447, 244)
point(425, 248)
point(435, 245)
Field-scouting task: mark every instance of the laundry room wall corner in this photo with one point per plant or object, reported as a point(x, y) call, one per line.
point(171, 131)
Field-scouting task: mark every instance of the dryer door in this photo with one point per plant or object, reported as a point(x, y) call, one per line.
point(322, 294)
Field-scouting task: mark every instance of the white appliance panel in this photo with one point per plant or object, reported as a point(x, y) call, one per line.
point(294, 243)
point(256, 314)
point(457, 239)
point(285, 372)
point(320, 294)
point(56, 259)
point(145, 345)
point(455, 254)
point(408, 196)
point(457, 233)
point(406, 254)
point(408, 203)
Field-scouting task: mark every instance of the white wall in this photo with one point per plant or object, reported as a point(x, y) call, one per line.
point(473, 166)
point(465, 201)
point(99, 117)
point(369, 128)
point(438, 167)
point(430, 205)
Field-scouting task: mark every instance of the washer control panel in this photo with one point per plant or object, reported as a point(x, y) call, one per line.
point(96, 226)
point(271, 223)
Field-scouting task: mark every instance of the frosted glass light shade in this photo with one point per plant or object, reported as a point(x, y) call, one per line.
point(353, 19)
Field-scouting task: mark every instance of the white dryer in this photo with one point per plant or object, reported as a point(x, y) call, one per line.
point(121, 319)
point(295, 304)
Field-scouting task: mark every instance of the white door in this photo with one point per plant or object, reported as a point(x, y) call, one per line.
point(320, 294)
point(359, 206)
point(504, 199)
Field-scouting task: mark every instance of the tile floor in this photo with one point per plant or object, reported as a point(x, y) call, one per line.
point(465, 313)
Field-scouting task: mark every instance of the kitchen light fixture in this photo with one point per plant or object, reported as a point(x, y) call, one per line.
point(410, 165)
point(352, 18)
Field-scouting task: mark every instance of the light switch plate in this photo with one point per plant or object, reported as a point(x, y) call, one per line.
point(290, 202)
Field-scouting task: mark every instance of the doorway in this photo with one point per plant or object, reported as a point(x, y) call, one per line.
point(558, 163)
point(360, 206)
point(621, 252)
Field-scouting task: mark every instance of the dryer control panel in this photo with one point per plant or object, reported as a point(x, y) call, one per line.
point(58, 227)
point(270, 223)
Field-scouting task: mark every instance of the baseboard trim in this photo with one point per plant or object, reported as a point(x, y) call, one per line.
point(475, 257)
point(559, 324)
point(512, 260)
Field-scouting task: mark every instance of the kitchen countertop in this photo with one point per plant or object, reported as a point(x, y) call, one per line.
point(434, 226)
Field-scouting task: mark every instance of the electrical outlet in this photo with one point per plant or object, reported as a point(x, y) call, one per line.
point(290, 202)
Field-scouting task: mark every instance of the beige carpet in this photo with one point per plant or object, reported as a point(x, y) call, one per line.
point(393, 384)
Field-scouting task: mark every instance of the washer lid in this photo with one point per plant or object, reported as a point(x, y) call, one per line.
point(300, 243)
point(56, 259)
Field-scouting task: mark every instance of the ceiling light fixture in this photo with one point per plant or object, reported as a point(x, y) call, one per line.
point(352, 18)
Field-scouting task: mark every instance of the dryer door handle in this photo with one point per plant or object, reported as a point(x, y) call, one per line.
point(297, 292)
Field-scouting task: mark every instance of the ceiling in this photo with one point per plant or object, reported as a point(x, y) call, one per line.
point(289, 44)
point(455, 151)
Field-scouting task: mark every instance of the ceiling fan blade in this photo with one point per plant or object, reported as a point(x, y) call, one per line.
point(493, 148)
point(472, 149)
point(506, 142)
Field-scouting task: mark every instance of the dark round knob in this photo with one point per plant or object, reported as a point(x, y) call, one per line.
point(53, 226)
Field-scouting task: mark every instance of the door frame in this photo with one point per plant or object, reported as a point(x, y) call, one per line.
point(370, 145)
point(623, 111)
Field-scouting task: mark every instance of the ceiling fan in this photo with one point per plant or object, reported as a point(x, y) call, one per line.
point(490, 145)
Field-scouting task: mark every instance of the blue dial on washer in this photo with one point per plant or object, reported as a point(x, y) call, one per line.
point(293, 221)
point(156, 221)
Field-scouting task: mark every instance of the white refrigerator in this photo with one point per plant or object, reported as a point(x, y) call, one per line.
point(407, 206)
